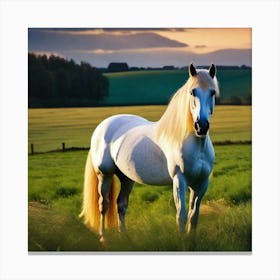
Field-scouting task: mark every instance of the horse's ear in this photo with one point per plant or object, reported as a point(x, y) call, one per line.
point(192, 70)
point(212, 70)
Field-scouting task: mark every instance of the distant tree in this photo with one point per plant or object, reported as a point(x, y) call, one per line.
point(168, 67)
point(248, 99)
point(118, 67)
point(235, 100)
point(54, 82)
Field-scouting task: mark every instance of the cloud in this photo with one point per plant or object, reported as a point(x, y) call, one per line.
point(80, 31)
point(200, 46)
point(50, 40)
point(122, 51)
point(136, 46)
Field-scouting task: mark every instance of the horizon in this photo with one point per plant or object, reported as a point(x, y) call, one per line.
point(132, 67)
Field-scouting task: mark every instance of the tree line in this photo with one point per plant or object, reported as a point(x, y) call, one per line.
point(56, 82)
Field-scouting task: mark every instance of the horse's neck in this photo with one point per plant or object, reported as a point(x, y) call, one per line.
point(189, 148)
point(197, 143)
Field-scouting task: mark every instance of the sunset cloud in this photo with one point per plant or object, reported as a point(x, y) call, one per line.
point(200, 46)
point(125, 51)
point(145, 47)
point(97, 39)
point(113, 31)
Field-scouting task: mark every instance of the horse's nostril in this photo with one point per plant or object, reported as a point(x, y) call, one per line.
point(205, 127)
point(201, 127)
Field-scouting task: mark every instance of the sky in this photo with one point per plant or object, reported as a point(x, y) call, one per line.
point(145, 47)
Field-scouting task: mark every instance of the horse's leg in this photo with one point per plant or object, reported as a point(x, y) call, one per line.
point(179, 194)
point(103, 190)
point(126, 187)
point(194, 206)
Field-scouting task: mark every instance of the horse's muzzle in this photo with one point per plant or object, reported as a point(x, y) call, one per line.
point(201, 128)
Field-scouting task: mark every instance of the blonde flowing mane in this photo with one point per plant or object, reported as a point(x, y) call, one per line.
point(177, 123)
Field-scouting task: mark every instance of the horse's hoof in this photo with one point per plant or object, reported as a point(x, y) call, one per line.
point(102, 240)
point(122, 230)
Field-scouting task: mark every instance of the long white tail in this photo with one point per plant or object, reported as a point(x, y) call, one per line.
point(90, 209)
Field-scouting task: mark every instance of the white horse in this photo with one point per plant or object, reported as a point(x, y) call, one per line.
point(176, 150)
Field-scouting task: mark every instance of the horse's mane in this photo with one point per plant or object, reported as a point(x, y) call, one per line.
point(176, 122)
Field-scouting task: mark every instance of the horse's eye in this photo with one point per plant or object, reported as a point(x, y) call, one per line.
point(212, 92)
point(193, 92)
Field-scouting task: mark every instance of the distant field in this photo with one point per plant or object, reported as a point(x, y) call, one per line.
point(48, 128)
point(156, 87)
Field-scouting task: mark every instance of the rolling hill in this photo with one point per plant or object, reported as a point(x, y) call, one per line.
point(157, 87)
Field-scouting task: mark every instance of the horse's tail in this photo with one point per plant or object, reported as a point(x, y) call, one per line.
point(90, 209)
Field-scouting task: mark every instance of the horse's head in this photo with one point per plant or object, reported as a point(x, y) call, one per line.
point(202, 92)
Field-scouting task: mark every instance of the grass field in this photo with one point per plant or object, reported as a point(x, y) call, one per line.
point(48, 128)
point(55, 186)
point(156, 87)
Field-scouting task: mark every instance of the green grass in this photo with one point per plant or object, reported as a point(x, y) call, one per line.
point(156, 87)
point(55, 187)
point(48, 128)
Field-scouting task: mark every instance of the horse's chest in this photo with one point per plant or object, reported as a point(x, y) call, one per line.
point(198, 165)
point(198, 170)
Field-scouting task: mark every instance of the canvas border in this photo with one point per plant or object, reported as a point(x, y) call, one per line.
point(17, 16)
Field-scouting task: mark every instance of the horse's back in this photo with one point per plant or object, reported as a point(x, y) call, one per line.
point(106, 133)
